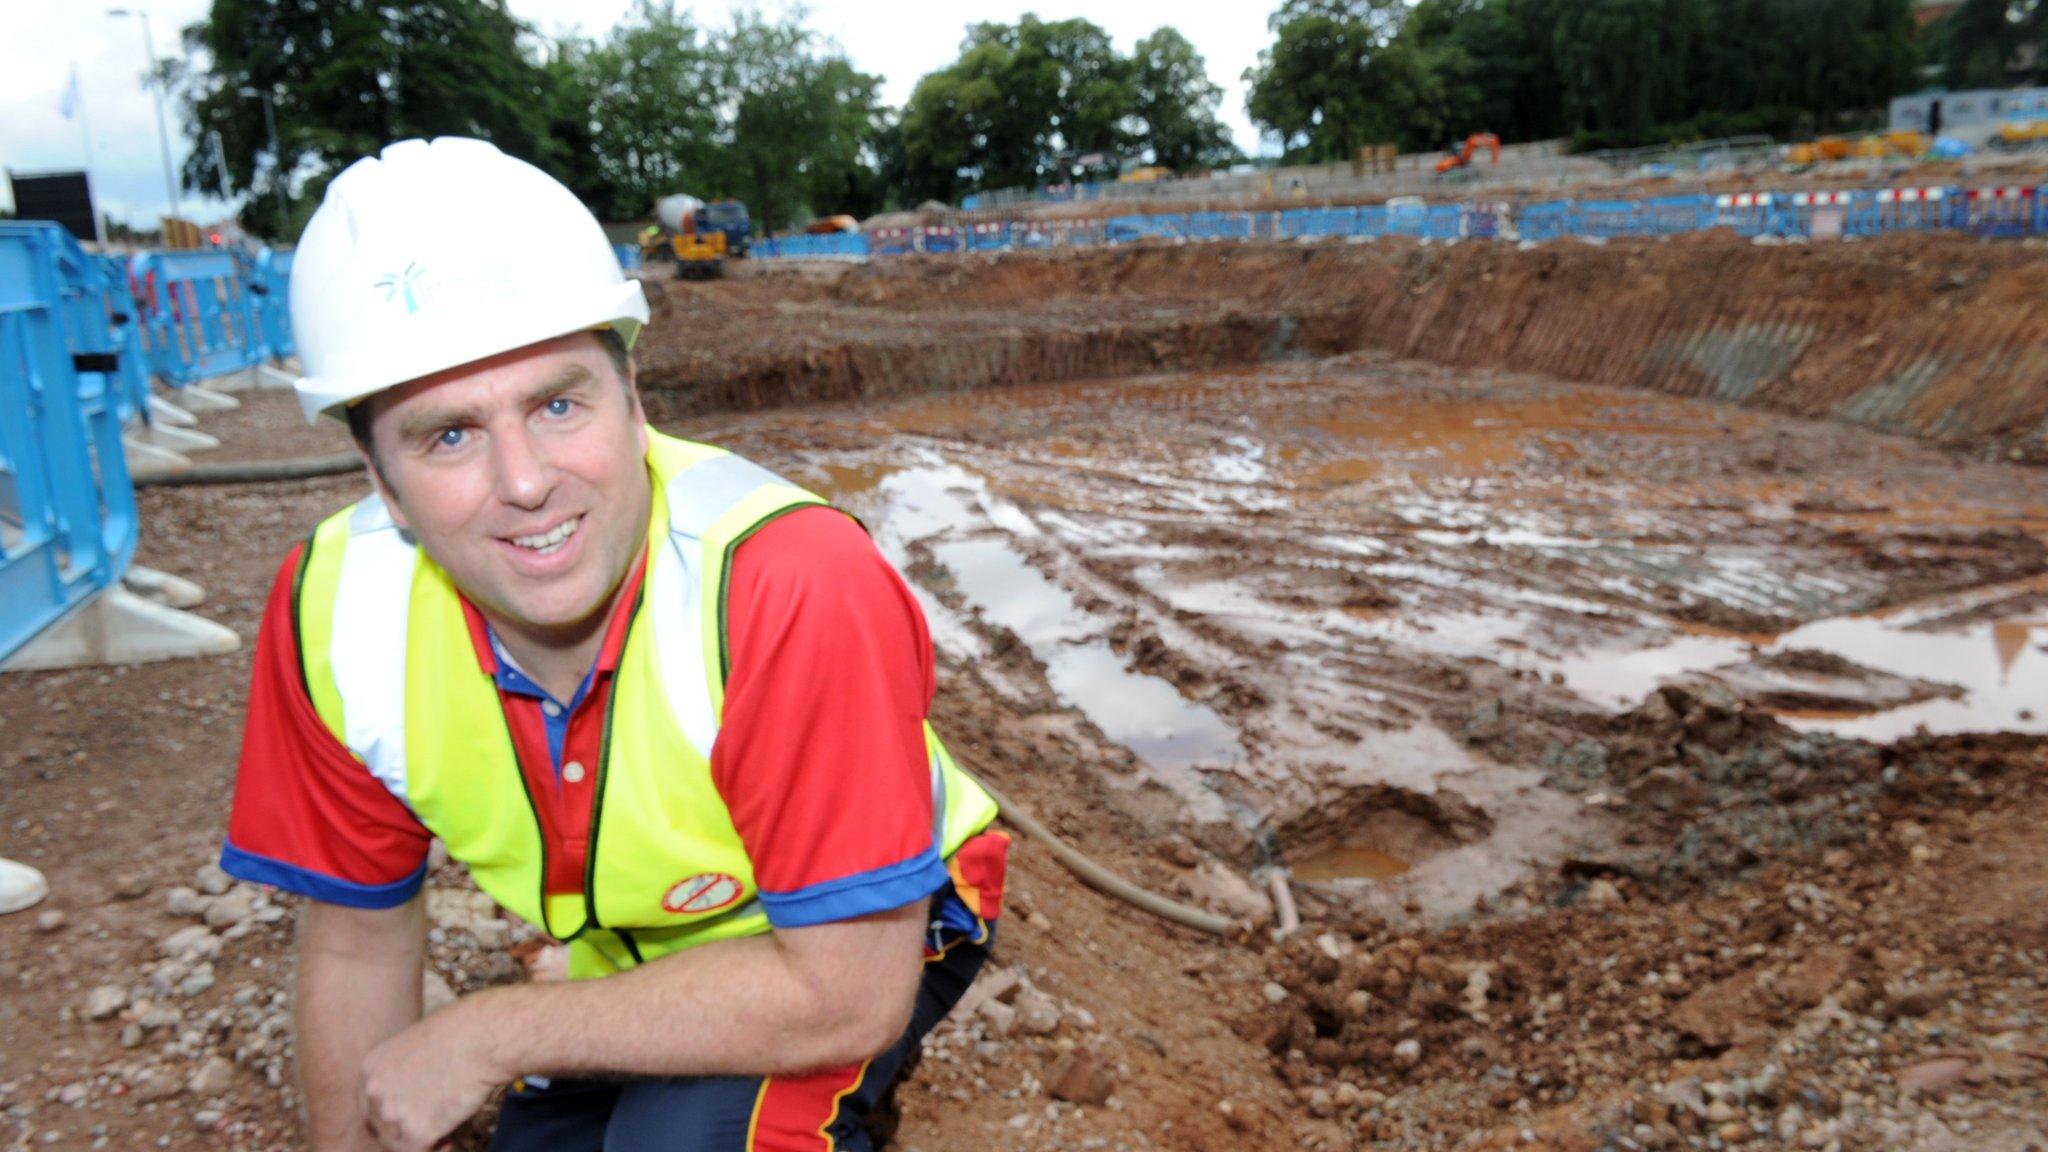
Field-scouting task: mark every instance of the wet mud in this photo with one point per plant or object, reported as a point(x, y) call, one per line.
point(1272, 594)
point(1656, 757)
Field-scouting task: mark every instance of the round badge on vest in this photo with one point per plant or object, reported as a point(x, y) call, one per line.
point(704, 892)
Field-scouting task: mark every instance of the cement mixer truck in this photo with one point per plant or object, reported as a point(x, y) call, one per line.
point(698, 236)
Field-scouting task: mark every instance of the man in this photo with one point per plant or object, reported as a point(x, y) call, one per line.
point(665, 705)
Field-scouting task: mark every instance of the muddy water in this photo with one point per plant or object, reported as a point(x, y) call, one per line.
point(1351, 862)
point(1277, 586)
point(974, 538)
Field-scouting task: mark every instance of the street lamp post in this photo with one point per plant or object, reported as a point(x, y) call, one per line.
point(276, 153)
point(163, 133)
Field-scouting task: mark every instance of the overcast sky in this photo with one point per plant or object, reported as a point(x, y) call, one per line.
point(920, 36)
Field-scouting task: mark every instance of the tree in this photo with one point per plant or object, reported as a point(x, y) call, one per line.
point(1022, 103)
point(643, 102)
point(1175, 99)
point(1332, 79)
point(1979, 40)
point(949, 127)
point(346, 78)
point(802, 121)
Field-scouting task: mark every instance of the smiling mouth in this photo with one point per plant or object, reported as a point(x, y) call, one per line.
point(546, 543)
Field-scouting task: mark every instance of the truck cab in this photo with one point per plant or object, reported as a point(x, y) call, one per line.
point(729, 217)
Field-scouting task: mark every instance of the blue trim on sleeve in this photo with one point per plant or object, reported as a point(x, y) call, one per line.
point(876, 890)
point(317, 886)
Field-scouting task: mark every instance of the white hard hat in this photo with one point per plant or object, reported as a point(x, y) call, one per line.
point(437, 254)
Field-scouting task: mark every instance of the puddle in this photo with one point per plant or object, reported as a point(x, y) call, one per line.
point(1244, 463)
point(2001, 666)
point(1464, 436)
point(1141, 712)
point(1350, 862)
point(953, 511)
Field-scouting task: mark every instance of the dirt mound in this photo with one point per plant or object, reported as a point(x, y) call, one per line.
point(1616, 1020)
point(1929, 336)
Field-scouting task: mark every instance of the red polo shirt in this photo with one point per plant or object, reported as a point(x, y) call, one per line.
point(820, 754)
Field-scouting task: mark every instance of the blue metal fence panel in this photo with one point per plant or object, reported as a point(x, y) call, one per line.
point(629, 256)
point(1863, 217)
point(1311, 223)
point(99, 344)
point(890, 241)
point(1406, 220)
point(1812, 214)
point(198, 319)
point(1485, 221)
point(2001, 211)
point(1605, 219)
point(988, 236)
point(272, 290)
point(1219, 226)
point(1547, 221)
point(1162, 226)
point(1914, 209)
point(1033, 235)
point(1748, 213)
point(2008, 211)
point(1444, 222)
point(67, 509)
point(1673, 215)
point(124, 320)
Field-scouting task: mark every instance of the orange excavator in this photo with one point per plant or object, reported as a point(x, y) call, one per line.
point(1457, 158)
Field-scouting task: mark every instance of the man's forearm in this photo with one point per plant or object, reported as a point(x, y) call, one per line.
point(765, 1005)
point(358, 985)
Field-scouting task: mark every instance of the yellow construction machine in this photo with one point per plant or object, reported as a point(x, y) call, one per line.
point(2019, 134)
point(697, 236)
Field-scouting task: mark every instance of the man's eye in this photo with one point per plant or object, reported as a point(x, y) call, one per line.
point(449, 438)
point(560, 406)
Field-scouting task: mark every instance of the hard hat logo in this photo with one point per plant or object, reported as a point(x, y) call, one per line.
point(391, 282)
point(408, 287)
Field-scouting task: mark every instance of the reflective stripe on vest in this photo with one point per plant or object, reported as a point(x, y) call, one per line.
point(391, 670)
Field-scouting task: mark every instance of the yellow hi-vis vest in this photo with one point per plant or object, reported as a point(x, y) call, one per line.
point(391, 670)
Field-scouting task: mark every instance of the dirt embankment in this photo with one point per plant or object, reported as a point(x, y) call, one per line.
point(1937, 337)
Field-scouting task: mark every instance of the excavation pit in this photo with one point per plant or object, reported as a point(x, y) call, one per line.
point(1363, 562)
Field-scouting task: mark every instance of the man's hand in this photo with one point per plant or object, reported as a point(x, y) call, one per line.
point(420, 1085)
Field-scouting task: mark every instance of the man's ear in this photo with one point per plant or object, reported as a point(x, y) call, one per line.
point(639, 412)
point(383, 490)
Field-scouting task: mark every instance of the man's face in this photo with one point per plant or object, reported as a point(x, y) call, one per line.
point(524, 477)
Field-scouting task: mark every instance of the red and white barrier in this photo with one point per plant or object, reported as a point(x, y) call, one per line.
point(1820, 199)
point(1744, 200)
point(1909, 195)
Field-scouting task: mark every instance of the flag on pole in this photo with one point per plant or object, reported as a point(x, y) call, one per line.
point(68, 103)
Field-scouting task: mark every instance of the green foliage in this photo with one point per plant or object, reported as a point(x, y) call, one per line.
point(1343, 73)
point(792, 146)
point(349, 76)
point(1026, 103)
point(639, 110)
point(1172, 95)
point(1979, 42)
point(764, 112)
point(1335, 78)
point(1022, 100)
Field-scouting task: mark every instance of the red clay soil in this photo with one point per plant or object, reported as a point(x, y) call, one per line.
point(1938, 337)
point(1767, 936)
